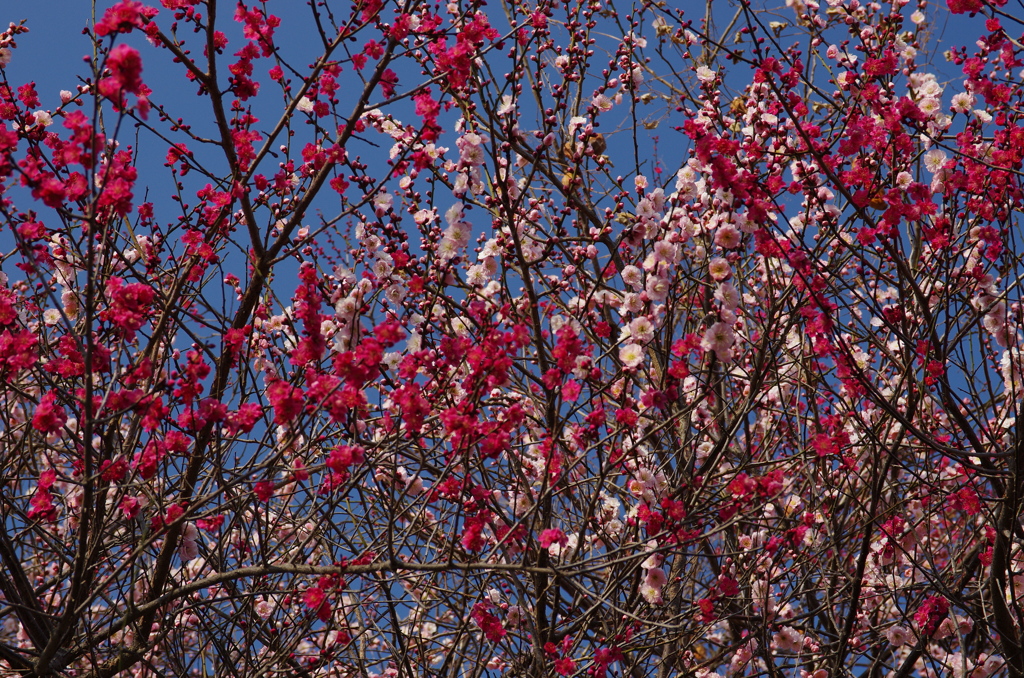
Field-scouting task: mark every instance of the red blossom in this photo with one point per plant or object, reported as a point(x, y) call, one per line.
point(117, 181)
point(313, 596)
point(17, 351)
point(129, 305)
point(344, 456)
point(173, 514)
point(124, 17)
point(487, 622)
point(28, 96)
point(965, 6)
point(565, 666)
point(388, 82)
point(41, 505)
point(930, 614)
point(211, 524)
point(882, 66)
point(125, 66)
point(258, 27)
point(49, 416)
point(264, 490)
point(287, 401)
point(148, 460)
point(472, 534)
point(553, 536)
point(244, 419)
point(113, 471)
point(728, 586)
point(316, 599)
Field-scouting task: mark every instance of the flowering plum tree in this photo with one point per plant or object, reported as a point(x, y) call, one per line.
point(408, 349)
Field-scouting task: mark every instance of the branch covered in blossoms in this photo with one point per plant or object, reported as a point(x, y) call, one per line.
point(514, 339)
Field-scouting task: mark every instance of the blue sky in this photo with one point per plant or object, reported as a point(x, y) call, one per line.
point(51, 54)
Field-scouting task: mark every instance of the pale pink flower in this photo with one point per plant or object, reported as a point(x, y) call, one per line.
point(264, 609)
point(657, 288)
point(69, 300)
point(631, 355)
point(945, 630)
point(720, 269)
point(508, 105)
point(477, 275)
point(666, 251)
point(656, 578)
point(448, 248)
point(471, 152)
point(460, 232)
point(898, 635)
point(641, 330)
point(987, 665)
point(651, 594)
point(653, 560)
point(189, 548)
point(632, 276)
point(727, 295)
point(720, 339)
point(962, 102)
point(930, 106)
point(705, 74)
point(788, 639)
point(382, 202)
point(934, 160)
point(423, 217)
point(728, 236)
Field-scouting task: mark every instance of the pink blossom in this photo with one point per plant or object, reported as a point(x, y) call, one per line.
point(130, 507)
point(728, 236)
point(656, 578)
point(720, 339)
point(719, 268)
point(189, 547)
point(788, 639)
